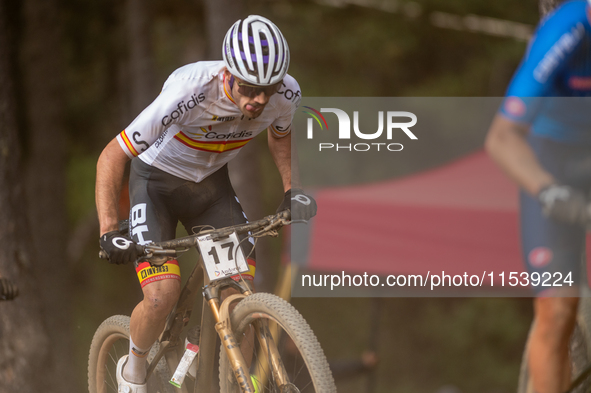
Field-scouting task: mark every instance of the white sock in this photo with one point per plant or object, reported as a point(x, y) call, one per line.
point(135, 368)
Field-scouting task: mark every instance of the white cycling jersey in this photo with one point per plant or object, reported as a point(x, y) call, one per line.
point(194, 127)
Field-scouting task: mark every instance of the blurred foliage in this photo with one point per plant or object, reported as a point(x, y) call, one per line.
point(358, 51)
point(424, 344)
point(474, 344)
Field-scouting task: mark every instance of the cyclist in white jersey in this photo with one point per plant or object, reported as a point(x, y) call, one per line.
point(179, 146)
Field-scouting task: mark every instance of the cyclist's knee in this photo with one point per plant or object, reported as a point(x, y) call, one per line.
point(160, 297)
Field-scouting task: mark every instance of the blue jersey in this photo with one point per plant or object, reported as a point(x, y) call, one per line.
point(551, 90)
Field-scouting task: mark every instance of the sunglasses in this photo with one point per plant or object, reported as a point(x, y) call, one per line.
point(252, 91)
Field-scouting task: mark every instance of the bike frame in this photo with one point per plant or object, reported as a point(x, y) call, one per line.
point(215, 318)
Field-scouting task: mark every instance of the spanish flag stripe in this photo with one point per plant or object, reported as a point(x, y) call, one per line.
point(214, 148)
point(144, 265)
point(209, 149)
point(168, 270)
point(279, 132)
point(128, 143)
point(225, 91)
point(219, 142)
point(199, 143)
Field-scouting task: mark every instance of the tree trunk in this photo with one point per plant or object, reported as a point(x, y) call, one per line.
point(220, 15)
point(141, 70)
point(24, 344)
point(46, 180)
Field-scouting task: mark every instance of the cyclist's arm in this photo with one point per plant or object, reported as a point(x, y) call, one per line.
point(535, 79)
point(279, 135)
point(109, 179)
point(507, 145)
point(281, 152)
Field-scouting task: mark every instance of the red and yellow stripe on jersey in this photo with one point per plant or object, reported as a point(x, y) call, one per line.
point(225, 91)
point(128, 143)
point(213, 146)
point(147, 273)
point(249, 275)
point(280, 133)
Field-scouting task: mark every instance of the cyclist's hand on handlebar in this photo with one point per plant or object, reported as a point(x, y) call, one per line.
point(120, 249)
point(302, 206)
point(564, 204)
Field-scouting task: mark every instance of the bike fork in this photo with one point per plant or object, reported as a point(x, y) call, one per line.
point(235, 357)
point(270, 352)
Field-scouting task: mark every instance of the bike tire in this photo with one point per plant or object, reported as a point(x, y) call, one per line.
point(579, 352)
point(300, 351)
point(111, 342)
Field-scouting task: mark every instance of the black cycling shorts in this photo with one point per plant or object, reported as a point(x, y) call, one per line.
point(551, 248)
point(160, 200)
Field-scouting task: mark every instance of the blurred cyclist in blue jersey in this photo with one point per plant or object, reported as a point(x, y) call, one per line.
point(541, 137)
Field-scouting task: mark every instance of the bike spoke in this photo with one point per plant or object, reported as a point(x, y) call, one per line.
point(113, 380)
point(111, 386)
point(112, 358)
point(305, 387)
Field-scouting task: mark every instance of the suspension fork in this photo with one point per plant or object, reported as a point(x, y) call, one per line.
point(269, 351)
point(232, 348)
point(221, 316)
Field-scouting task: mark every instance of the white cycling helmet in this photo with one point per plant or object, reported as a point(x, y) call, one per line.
point(255, 51)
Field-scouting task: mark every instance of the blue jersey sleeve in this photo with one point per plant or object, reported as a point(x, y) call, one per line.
point(550, 50)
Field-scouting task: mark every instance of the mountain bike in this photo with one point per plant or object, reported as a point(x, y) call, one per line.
point(266, 345)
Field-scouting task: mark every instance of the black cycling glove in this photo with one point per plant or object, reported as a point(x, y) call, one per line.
point(564, 204)
point(302, 206)
point(120, 249)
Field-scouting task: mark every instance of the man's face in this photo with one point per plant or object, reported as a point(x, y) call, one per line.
point(253, 102)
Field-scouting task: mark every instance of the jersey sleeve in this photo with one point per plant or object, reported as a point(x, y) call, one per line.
point(290, 97)
point(178, 101)
point(548, 53)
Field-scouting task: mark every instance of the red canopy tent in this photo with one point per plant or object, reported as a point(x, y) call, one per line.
point(462, 217)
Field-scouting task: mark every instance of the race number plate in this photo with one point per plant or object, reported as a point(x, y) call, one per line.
point(222, 257)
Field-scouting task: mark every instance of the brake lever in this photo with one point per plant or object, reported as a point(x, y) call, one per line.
point(157, 256)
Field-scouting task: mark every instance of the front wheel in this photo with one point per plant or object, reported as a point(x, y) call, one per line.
point(109, 344)
point(302, 360)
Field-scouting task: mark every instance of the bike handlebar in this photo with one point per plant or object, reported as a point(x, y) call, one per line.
point(168, 248)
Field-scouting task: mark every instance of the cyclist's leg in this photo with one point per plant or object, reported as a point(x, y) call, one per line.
point(150, 221)
point(548, 354)
point(550, 248)
point(213, 202)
